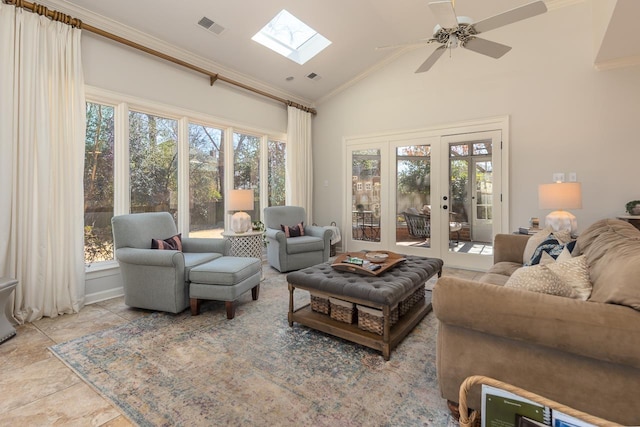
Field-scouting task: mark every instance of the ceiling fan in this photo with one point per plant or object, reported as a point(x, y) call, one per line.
point(453, 30)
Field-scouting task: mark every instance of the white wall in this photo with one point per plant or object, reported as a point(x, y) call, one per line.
point(564, 115)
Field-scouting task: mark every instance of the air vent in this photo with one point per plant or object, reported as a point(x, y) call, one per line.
point(313, 76)
point(211, 26)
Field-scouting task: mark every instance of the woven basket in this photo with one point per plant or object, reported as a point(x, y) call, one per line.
point(417, 296)
point(372, 320)
point(320, 304)
point(342, 311)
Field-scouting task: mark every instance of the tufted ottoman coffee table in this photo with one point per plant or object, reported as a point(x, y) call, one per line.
point(384, 292)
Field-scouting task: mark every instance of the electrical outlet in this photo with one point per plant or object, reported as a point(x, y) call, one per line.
point(573, 177)
point(558, 177)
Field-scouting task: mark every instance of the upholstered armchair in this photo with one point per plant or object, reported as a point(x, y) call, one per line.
point(293, 253)
point(158, 279)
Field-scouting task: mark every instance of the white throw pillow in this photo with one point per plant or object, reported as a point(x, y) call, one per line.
point(539, 278)
point(575, 273)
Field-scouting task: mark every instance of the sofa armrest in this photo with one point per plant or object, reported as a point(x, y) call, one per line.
point(604, 332)
point(509, 247)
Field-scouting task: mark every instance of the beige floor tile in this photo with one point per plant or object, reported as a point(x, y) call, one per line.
point(121, 421)
point(30, 383)
point(27, 347)
point(117, 306)
point(77, 405)
point(92, 318)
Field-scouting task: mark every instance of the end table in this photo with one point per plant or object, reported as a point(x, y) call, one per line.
point(249, 244)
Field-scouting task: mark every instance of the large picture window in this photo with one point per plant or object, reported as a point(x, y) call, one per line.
point(146, 158)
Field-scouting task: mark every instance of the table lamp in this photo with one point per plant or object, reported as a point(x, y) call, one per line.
point(239, 201)
point(560, 196)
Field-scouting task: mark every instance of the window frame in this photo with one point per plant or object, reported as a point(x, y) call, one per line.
point(122, 104)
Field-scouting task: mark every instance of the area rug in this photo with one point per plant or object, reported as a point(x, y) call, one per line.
point(255, 370)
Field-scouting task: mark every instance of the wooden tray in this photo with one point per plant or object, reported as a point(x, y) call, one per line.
point(393, 260)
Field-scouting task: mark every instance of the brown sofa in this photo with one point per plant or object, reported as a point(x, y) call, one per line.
point(584, 354)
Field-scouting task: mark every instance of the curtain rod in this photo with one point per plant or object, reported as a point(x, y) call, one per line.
point(213, 77)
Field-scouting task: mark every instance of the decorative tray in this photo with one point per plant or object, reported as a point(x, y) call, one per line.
point(367, 263)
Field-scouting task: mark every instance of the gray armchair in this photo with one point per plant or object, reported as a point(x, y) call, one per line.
point(293, 253)
point(158, 279)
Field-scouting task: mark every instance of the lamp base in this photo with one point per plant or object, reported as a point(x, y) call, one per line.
point(562, 220)
point(240, 222)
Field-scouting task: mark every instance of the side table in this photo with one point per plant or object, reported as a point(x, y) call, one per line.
point(249, 244)
point(631, 219)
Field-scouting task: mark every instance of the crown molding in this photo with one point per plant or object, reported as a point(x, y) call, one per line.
point(627, 61)
point(154, 43)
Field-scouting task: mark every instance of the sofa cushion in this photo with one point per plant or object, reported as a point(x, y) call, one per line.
point(539, 278)
point(304, 244)
point(613, 227)
point(615, 269)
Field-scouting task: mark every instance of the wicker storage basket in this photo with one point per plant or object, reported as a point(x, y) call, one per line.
point(372, 320)
point(320, 304)
point(413, 299)
point(342, 311)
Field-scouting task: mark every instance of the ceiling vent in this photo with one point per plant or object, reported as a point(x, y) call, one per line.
point(214, 27)
point(313, 76)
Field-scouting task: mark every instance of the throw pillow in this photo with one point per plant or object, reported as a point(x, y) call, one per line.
point(552, 250)
point(173, 243)
point(293, 231)
point(535, 240)
point(539, 278)
point(575, 273)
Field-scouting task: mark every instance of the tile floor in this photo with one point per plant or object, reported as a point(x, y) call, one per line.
point(39, 390)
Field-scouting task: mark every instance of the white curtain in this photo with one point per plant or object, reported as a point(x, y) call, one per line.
point(42, 128)
point(299, 161)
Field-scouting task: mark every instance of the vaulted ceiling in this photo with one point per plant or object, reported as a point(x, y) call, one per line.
point(355, 28)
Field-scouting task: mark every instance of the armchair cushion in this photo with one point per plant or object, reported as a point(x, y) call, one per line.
point(173, 243)
point(304, 244)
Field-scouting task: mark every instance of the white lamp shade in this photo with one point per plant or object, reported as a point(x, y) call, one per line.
point(240, 200)
point(560, 195)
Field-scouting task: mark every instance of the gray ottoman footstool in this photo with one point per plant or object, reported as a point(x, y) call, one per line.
point(224, 279)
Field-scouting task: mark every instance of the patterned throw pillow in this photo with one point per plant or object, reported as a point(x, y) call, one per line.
point(535, 240)
point(173, 243)
point(552, 250)
point(293, 231)
point(539, 278)
point(575, 273)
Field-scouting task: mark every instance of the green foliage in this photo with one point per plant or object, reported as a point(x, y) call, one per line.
point(630, 205)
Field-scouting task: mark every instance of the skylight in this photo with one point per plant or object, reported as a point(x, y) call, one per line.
point(292, 38)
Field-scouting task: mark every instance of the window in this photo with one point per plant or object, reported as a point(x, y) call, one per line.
point(277, 157)
point(287, 35)
point(206, 179)
point(153, 163)
point(170, 163)
point(98, 183)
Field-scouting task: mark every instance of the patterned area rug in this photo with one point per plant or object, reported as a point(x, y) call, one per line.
point(256, 370)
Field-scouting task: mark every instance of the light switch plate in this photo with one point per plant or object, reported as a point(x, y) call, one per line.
point(558, 177)
point(573, 177)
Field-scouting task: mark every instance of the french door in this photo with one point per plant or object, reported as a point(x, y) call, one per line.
point(430, 193)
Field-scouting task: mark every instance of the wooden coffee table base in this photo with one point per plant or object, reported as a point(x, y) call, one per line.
point(386, 342)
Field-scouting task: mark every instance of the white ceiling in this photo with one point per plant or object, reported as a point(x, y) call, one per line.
point(356, 28)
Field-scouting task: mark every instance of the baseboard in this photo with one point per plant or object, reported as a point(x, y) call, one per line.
point(103, 295)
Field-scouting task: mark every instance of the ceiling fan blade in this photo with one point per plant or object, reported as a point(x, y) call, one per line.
point(486, 47)
point(426, 65)
point(444, 13)
point(510, 16)
point(423, 41)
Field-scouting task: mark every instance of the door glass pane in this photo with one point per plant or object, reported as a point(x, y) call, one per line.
point(98, 183)
point(413, 195)
point(365, 195)
point(471, 198)
point(276, 161)
point(153, 163)
point(246, 167)
point(206, 178)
